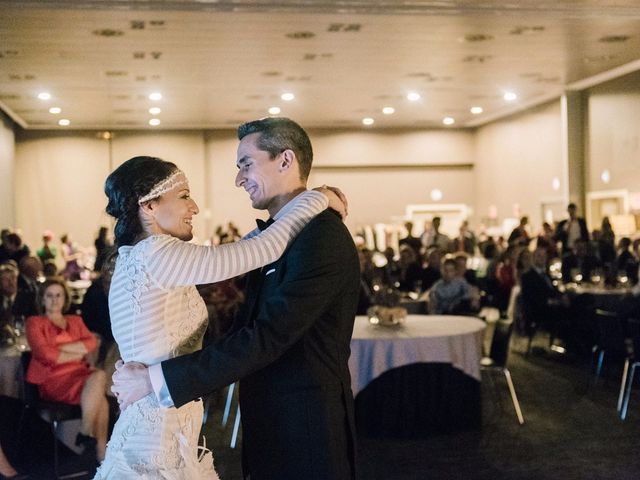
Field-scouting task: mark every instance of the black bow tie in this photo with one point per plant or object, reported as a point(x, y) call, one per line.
point(262, 225)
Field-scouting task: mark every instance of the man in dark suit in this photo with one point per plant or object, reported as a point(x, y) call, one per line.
point(572, 229)
point(291, 342)
point(542, 303)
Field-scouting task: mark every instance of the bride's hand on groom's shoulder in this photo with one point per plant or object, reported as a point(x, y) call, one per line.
point(131, 382)
point(337, 199)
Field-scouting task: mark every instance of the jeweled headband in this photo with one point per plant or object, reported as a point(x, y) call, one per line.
point(174, 180)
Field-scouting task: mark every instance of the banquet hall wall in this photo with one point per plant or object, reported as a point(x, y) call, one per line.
point(60, 175)
point(7, 162)
point(516, 162)
point(613, 135)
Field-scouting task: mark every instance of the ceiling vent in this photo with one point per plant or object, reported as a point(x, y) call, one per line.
point(477, 58)
point(300, 35)
point(108, 32)
point(476, 37)
point(344, 27)
point(520, 30)
point(614, 38)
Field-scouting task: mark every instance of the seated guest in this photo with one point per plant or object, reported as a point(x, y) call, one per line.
point(366, 297)
point(50, 269)
point(95, 312)
point(451, 294)
point(578, 262)
point(409, 270)
point(626, 262)
point(12, 248)
point(506, 276)
point(462, 271)
point(59, 347)
point(48, 251)
point(8, 291)
point(541, 301)
point(431, 274)
point(102, 248)
point(26, 303)
point(547, 241)
point(389, 274)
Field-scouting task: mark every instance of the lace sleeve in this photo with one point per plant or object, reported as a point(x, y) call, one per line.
point(172, 262)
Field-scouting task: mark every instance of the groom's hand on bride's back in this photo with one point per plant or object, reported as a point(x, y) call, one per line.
point(131, 382)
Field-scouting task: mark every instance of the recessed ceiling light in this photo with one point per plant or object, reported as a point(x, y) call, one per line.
point(509, 96)
point(154, 122)
point(448, 120)
point(413, 96)
point(605, 176)
point(274, 110)
point(287, 96)
point(155, 110)
point(155, 96)
point(476, 110)
point(388, 110)
point(368, 121)
point(55, 110)
point(436, 195)
point(63, 122)
point(44, 95)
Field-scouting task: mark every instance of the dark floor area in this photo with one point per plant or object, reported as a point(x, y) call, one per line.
point(571, 432)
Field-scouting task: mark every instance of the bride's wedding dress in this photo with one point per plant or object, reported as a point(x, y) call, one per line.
point(156, 314)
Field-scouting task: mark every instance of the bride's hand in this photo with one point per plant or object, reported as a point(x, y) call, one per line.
point(337, 199)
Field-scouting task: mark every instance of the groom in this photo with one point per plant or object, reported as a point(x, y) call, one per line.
point(290, 343)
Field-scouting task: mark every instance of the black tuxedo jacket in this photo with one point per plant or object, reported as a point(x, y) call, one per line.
point(290, 346)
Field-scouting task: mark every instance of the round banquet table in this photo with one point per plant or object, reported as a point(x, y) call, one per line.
point(417, 379)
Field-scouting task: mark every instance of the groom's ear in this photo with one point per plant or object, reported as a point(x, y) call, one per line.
point(287, 159)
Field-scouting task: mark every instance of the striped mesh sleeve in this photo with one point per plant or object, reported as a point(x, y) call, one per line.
point(172, 262)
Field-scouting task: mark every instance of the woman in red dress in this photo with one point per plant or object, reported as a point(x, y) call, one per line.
point(59, 346)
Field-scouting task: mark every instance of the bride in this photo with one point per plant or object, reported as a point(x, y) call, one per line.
point(156, 312)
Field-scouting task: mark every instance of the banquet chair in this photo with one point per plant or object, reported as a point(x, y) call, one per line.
point(225, 415)
point(497, 360)
point(610, 337)
point(51, 412)
point(633, 360)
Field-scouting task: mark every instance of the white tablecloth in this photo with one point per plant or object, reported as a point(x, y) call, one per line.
point(421, 339)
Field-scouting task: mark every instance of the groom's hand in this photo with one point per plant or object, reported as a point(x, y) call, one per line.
point(131, 382)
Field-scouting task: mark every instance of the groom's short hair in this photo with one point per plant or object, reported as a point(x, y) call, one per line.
point(278, 134)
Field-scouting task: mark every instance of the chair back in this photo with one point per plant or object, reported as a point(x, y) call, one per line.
point(610, 331)
point(633, 332)
point(31, 394)
point(500, 342)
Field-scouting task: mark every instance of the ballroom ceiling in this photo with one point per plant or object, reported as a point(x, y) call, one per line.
point(218, 63)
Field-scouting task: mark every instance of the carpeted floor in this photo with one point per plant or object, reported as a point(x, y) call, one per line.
point(570, 432)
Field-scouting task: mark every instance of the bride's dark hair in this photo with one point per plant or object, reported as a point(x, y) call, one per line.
point(126, 184)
